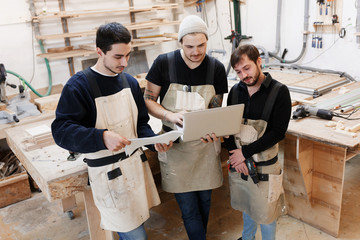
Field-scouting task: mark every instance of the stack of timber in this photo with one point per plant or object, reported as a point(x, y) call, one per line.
point(14, 181)
point(9, 164)
point(38, 137)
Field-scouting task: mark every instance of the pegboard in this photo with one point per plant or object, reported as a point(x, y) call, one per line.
point(328, 15)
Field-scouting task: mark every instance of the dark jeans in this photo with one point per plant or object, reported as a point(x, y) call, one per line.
point(195, 208)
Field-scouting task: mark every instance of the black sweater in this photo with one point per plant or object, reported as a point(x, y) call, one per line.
point(254, 106)
point(74, 126)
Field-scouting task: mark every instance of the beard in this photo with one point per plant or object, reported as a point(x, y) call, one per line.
point(255, 79)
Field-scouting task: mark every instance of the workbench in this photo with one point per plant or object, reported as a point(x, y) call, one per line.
point(315, 158)
point(58, 178)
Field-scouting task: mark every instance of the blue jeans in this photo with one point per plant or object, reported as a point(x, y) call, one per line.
point(195, 209)
point(268, 231)
point(136, 234)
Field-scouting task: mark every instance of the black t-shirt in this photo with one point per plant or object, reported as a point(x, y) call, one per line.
point(159, 74)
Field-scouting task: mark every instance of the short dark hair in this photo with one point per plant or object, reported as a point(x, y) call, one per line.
point(249, 50)
point(111, 33)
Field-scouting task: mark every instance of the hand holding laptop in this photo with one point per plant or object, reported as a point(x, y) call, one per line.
point(208, 138)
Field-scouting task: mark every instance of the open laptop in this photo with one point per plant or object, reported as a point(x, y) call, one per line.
point(222, 121)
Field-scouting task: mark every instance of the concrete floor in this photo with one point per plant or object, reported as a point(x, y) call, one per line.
point(38, 219)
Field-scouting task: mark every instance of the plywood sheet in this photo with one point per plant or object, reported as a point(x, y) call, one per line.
point(310, 80)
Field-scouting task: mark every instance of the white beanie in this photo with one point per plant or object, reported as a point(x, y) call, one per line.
point(192, 24)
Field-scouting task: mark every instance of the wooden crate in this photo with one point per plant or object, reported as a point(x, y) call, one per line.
point(14, 188)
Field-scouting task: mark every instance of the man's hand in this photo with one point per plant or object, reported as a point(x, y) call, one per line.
point(176, 118)
point(236, 159)
point(162, 147)
point(114, 142)
point(242, 168)
point(212, 138)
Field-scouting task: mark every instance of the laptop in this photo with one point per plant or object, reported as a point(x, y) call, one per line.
point(222, 121)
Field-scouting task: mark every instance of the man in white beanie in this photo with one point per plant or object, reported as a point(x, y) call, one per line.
point(188, 80)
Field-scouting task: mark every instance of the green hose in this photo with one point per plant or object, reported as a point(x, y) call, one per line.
point(28, 84)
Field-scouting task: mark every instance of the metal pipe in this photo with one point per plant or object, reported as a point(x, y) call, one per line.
point(358, 22)
point(266, 53)
point(305, 33)
point(278, 25)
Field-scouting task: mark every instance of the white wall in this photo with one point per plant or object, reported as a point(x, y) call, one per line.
point(18, 49)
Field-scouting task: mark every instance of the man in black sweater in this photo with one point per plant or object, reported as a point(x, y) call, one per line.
point(265, 121)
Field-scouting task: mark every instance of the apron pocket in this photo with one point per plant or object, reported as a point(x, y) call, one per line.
point(275, 187)
point(100, 189)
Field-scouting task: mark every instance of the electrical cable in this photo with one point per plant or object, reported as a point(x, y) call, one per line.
point(28, 84)
point(348, 115)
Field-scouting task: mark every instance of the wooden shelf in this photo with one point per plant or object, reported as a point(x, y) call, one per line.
point(89, 49)
point(67, 54)
point(75, 14)
point(131, 26)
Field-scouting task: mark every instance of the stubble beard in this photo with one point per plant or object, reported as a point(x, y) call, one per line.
point(256, 79)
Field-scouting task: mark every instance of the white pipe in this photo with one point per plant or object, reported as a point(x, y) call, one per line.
point(278, 25)
point(358, 21)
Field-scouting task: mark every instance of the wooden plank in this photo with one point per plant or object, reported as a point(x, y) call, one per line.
point(14, 188)
point(69, 203)
point(329, 160)
point(56, 88)
point(93, 217)
point(74, 14)
point(47, 103)
point(327, 189)
point(131, 26)
point(305, 161)
point(293, 180)
point(62, 55)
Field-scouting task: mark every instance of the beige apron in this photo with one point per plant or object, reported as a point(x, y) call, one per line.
point(265, 202)
point(190, 166)
point(124, 201)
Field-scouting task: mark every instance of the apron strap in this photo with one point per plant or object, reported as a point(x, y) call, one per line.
point(124, 81)
point(261, 176)
point(90, 76)
point(99, 162)
point(270, 101)
point(210, 71)
point(171, 67)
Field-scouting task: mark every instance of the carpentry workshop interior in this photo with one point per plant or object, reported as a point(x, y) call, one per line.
point(311, 46)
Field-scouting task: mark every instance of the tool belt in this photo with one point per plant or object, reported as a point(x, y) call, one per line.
point(262, 177)
point(99, 162)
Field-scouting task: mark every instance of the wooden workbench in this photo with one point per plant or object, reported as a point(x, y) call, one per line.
point(58, 178)
point(314, 165)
